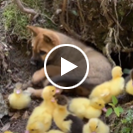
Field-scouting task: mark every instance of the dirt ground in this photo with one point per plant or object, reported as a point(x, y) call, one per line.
point(21, 71)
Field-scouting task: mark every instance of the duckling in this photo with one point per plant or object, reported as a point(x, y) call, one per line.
point(19, 99)
point(48, 98)
point(42, 115)
point(114, 87)
point(66, 121)
point(95, 125)
point(40, 123)
point(87, 108)
point(129, 85)
point(54, 131)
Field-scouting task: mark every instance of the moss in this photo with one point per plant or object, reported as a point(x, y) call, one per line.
point(15, 21)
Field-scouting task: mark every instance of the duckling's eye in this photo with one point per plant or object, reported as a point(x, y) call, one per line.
point(52, 90)
point(100, 104)
point(42, 52)
point(32, 129)
point(96, 126)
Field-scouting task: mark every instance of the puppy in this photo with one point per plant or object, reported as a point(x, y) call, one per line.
point(43, 40)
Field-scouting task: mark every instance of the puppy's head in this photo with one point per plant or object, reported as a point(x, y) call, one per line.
point(43, 40)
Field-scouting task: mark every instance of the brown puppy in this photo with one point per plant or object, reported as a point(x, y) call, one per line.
point(44, 40)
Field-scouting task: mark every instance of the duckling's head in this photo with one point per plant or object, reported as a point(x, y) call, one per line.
point(97, 103)
point(61, 100)
point(93, 125)
point(117, 72)
point(18, 88)
point(18, 91)
point(35, 127)
point(49, 92)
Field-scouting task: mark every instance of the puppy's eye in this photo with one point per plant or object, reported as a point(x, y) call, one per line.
point(32, 130)
point(42, 52)
point(96, 126)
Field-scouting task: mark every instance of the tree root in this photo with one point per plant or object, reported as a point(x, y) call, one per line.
point(109, 46)
point(107, 49)
point(32, 12)
point(65, 26)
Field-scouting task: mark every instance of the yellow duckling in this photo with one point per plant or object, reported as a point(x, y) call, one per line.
point(63, 119)
point(19, 99)
point(129, 85)
point(54, 131)
point(85, 108)
point(41, 117)
point(48, 98)
point(95, 125)
point(39, 124)
point(110, 88)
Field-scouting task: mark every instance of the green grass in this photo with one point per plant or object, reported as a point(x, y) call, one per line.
point(15, 21)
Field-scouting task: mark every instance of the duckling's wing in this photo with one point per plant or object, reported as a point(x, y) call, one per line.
point(77, 124)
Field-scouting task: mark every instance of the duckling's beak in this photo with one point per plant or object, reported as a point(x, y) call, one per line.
point(93, 132)
point(57, 91)
point(26, 131)
point(18, 91)
point(53, 99)
point(104, 109)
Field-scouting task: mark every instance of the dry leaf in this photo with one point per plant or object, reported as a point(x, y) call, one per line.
point(15, 116)
point(5, 127)
point(25, 115)
point(3, 107)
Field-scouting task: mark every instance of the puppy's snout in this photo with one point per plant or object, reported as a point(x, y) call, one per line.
point(33, 61)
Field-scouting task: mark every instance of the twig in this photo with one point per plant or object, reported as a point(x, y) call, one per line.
point(127, 50)
point(118, 24)
point(103, 5)
point(50, 19)
point(66, 27)
point(108, 46)
point(80, 13)
point(33, 13)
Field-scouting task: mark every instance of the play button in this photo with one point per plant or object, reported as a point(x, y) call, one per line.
point(66, 61)
point(64, 69)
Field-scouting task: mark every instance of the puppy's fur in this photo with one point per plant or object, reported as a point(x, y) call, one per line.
point(44, 40)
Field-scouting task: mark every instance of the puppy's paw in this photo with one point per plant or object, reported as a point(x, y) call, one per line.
point(38, 76)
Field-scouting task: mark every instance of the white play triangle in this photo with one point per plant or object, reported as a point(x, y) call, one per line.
point(66, 66)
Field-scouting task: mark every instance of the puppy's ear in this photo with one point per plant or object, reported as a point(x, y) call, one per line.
point(33, 29)
point(51, 39)
point(47, 39)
